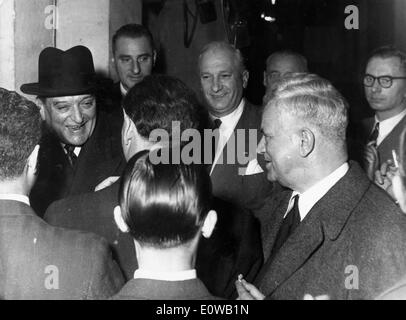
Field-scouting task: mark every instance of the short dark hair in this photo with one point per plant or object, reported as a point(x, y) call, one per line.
point(20, 131)
point(133, 31)
point(389, 51)
point(158, 100)
point(164, 205)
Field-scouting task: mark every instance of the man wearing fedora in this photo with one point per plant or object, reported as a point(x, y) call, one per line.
point(80, 146)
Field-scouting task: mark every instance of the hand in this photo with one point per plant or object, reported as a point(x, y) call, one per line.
point(371, 160)
point(106, 183)
point(247, 291)
point(384, 177)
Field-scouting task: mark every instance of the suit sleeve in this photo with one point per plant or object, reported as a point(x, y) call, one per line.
point(106, 277)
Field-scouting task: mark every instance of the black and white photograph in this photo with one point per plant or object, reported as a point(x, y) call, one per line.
point(215, 151)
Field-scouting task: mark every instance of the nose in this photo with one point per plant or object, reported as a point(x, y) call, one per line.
point(216, 85)
point(376, 87)
point(77, 115)
point(135, 67)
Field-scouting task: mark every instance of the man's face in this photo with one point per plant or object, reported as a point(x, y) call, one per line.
point(134, 59)
point(279, 145)
point(222, 81)
point(280, 66)
point(72, 118)
point(387, 102)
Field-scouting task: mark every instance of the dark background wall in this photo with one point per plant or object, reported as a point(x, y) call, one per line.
point(313, 27)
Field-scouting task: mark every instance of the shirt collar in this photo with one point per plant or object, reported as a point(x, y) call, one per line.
point(123, 90)
point(165, 276)
point(229, 121)
point(386, 126)
point(311, 196)
point(15, 197)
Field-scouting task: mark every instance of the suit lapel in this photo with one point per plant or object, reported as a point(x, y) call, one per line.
point(325, 220)
point(391, 140)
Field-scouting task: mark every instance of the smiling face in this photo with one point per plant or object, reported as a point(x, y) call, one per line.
point(134, 59)
point(387, 102)
point(72, 118)
point(222, 81)
point(280, 146)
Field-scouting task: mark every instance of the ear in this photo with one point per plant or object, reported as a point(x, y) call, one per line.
point(209, 224)
point(265, 81)
point(245, 77)
point(307, 142)
point(33, 159)
point(118, 218)
point(42, 107)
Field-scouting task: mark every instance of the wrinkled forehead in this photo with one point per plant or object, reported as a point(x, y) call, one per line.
point(69, 99)
point(385, 66)
point(219, 57)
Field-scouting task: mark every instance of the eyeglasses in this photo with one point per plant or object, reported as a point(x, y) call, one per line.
point(384, 81)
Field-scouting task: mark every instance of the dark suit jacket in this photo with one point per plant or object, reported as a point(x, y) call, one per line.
point(79, 263)
point(100, 157)
point(147, 289)
point(355, 230)
point(391, 142)
point(234, 247)
point(248, 191)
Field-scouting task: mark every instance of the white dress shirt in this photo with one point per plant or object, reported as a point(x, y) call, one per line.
point(311, 196)
point(386, 126)
point(123, 90)
point(226, 129)
point(15, 197)
point(165, 276)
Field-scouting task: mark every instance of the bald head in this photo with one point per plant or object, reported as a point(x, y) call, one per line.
point(282, 63)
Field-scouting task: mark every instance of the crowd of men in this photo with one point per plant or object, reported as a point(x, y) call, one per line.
point(86, 211)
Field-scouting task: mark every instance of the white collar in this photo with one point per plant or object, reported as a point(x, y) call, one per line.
point(123, 90)
point(312, 195)
point(229, 121)
point(165, 276)
point(15, 197)
point(386, 126)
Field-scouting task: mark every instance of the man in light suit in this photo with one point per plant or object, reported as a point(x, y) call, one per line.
point(235, 246)
point(329, 231)
point(223, 78)
point(39, 261)
point(166, 233)
point(385, 89)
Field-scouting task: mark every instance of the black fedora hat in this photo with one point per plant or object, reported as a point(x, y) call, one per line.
point(63, 73)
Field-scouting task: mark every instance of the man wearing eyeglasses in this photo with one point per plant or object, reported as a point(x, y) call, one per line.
point(385, 90)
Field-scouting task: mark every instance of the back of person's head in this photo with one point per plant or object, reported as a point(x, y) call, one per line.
point(132, 31)
point(387, 52)
point(164, 205)
point(316, 102)
point(299, 59)
point(20, 131)
point(160, 100)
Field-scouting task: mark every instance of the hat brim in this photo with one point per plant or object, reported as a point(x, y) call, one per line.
point(36, 89)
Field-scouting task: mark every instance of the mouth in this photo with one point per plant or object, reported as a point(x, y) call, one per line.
point(76, 128)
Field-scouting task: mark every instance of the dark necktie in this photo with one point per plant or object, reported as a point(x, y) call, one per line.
point(71, 155)
point(214, 143)
point(373, 138)
point(289, 224)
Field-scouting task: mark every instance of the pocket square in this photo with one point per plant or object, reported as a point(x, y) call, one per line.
point(252, 168)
